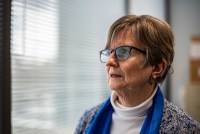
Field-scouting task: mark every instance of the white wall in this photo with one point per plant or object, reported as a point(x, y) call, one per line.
point(185, 21)
point(148, 7)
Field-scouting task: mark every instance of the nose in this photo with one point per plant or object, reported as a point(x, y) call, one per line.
point(112, 61)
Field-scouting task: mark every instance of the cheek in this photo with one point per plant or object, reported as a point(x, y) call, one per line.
point(137, 74)
point(131, 74)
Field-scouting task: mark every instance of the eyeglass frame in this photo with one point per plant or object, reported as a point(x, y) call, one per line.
point(130, 48)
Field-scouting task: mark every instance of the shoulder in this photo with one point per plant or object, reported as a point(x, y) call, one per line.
point(175, 120)
point(86, 119)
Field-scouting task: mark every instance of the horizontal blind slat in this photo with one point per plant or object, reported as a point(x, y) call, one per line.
point(56, 72)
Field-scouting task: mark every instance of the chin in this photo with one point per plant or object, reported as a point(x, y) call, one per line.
point(115, 87)
point(117, 84)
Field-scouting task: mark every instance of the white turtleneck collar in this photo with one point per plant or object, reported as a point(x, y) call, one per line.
point(139, 110)
point(130, 119)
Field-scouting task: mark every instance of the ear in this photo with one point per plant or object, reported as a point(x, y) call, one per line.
point(159, 69)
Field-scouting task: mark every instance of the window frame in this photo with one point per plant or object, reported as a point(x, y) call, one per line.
point(5, 68)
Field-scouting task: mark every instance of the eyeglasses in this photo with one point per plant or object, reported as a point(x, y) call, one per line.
point(121, 53)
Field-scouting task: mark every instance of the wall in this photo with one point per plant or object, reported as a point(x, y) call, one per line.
point(185, 21)
point(151, 7)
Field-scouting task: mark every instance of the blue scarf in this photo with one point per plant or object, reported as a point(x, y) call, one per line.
point(102, 122)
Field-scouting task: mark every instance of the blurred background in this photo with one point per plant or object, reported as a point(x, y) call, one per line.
point(50, 67)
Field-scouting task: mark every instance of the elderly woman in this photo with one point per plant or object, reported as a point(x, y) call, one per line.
point(138, 55)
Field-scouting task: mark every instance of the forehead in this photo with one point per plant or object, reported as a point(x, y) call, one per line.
point(123, 37)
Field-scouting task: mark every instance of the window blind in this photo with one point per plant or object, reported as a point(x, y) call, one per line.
point(56, 72)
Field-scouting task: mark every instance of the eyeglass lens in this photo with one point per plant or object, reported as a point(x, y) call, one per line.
point(104, 55)
point(121, 53)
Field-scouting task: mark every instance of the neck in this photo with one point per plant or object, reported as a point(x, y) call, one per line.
point(132, 98)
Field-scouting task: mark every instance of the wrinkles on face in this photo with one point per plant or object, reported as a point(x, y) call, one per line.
point(129, 78)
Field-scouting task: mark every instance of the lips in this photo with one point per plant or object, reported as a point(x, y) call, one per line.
point(113, 75)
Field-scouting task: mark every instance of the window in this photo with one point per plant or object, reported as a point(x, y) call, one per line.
point(56, 72)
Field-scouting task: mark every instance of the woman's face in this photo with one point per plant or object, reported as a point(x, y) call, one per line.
point(132, 74)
